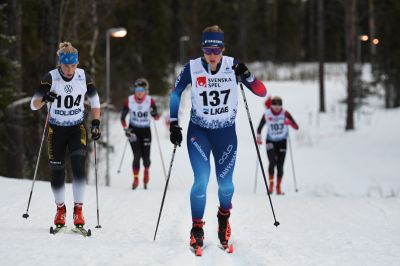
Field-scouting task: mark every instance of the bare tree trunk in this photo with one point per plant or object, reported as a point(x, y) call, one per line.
point(94, 39)
point(321, 54)
point(371, 24)
point(350, 28)
point(17, 158)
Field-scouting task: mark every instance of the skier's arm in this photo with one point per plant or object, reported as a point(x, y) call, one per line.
point(181, 83)
point(261, 125)
point(251, 82)
point(45, 86)
point(125, 111)
point(153, 109)
point(93, 97)
point(290, 121)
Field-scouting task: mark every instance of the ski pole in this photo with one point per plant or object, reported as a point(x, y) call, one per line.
point(159, 148)
point(97, 190)
point(26, 215)
point(276, 223)
point(165, 190)
point(291, 159)
point(255, 178)
point(123, 155)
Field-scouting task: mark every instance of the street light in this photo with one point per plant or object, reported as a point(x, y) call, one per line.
point(115, 33)
point(182, 39)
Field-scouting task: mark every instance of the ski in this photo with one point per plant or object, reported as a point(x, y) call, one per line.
point(227, 248)
point(57, 229)
point(79, 229)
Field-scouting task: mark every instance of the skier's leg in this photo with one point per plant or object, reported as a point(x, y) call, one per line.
point(137, 153)
point(224, 148)
point(56, 147)
point(77, 144)
point(281, 154)
point(146, 156)
point(271, 154)
point(199, 154)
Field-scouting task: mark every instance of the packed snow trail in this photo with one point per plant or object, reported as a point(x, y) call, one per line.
point(346, 212)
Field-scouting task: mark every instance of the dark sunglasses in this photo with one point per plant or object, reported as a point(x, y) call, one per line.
point(276, 102)
point(215, 51)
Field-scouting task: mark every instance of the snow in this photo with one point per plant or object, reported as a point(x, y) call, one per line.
point(346, 212)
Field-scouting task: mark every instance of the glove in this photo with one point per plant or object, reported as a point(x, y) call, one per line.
point(259, 139)
point(288, 122)
point(154, 114)
point(95, 129)
point(268, 102)
point(175, 133)
point(50, 96)
point(130, 135)
point(241, 69)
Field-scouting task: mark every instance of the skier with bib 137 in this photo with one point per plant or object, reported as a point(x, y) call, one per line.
point(214, 94)
point(64, 90)
point(277, 120)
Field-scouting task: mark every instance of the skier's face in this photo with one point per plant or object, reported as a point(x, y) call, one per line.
point(140, 94)
point(68, 69)
point(213, 56)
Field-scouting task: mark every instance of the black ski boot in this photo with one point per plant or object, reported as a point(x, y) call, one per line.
point(197, 234)
point(224, 228)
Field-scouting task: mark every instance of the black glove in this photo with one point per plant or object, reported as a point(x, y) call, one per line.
point(153, 113)
point(175, 133)
point(50, 96)
point(95, 129)
point(241, 69)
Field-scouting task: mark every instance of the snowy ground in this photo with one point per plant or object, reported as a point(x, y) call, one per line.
point(346, 212)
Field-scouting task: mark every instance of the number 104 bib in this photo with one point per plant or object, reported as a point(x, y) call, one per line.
point(68, 108)
point(214, 97)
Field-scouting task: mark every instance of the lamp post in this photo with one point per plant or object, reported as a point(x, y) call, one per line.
point(115, 33)
point(182, 39)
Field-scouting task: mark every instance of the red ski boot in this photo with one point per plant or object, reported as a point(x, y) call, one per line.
point(59, 220)
point(78, 215)
point(135, 183)
point(224, 229)
point(197, 237)
point(271, 184)
point(278, 187)
point(146, 177)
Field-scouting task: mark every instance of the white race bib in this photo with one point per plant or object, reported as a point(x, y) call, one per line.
point(139, 113)
point(277, 130)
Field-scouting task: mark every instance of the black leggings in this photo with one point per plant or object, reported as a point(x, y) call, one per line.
point(276, 151)
point(58, 139)
point(141, 147)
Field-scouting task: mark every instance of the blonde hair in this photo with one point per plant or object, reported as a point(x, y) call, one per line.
point(66, 47)
point(214, 28)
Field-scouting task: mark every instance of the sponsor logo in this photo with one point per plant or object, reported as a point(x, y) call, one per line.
point(198, 148)
point(66, 113)
point(201, 82)
point(68, 89)
point(229, 166)
point(225, 154)
point(216, 82)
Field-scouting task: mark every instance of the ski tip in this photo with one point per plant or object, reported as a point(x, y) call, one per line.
point(198, 251)
point(51, 230)
point(89, 232)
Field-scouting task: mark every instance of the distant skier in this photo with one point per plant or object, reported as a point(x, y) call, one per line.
point(214, 90)
point(65, 88)
point(140, 107)
point(277, 120)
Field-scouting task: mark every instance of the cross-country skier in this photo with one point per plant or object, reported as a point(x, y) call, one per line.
point(140, 107)
point(277, 120)
point(64, 90)
point(214, 94)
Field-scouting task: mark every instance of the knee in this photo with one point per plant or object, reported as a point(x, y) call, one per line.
point(146, 162)
point(78, 161)
point(58, 174)
point(226, 189)
point(200, 186)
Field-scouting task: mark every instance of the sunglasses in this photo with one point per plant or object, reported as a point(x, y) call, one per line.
point(215, 51)
point(139, 84)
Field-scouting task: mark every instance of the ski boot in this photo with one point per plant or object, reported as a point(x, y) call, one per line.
point(197, 237)
point(79, 220)
point(224, 229)
point(278, 187)
point(271, 184)
point(146, 177)
point(59, 219)
point(135, 182)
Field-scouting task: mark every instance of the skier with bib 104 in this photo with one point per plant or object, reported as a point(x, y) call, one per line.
point(140, 107)
point(214, 95)
point(277, 120)
point(64, 90)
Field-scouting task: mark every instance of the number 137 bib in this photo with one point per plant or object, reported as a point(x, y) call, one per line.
point(214, 97)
